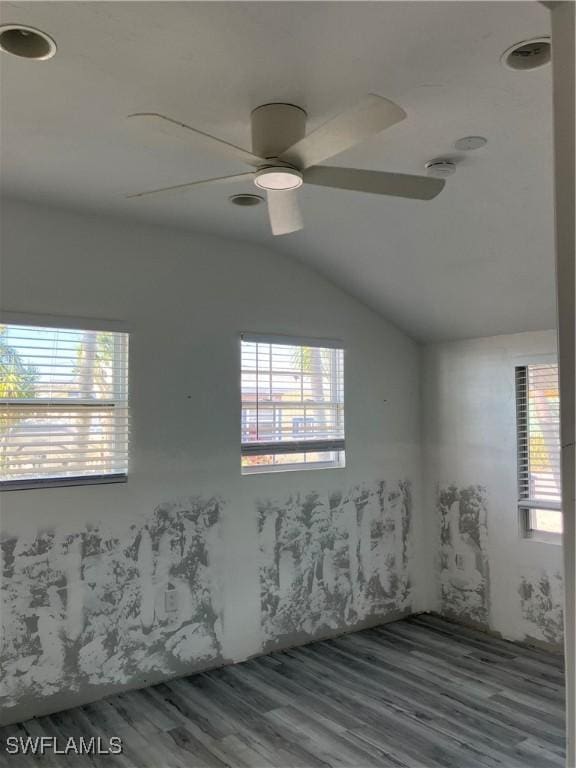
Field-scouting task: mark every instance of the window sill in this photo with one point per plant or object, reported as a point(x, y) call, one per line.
point(61, 482)
point(543, 537)
point(265, 469)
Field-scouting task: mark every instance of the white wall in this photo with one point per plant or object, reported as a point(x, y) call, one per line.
point(501, 579)
point(185, 299)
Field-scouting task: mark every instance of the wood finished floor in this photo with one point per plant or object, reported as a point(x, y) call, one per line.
point(418, 693)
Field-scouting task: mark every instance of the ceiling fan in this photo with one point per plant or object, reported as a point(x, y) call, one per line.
point(283, 157)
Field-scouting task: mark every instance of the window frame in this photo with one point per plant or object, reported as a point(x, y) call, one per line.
point(76, 324)
point(334, 446)
point(526, 505)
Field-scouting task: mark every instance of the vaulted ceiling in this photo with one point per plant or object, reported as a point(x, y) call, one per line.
point(477, 260)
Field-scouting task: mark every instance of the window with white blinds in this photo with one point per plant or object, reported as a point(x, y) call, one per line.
point(63, 406)
point(292, 404)
point(538, 430)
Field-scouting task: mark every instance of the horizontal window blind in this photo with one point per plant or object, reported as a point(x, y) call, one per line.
point(538, 435)
point(63, 405)
point(292, 398)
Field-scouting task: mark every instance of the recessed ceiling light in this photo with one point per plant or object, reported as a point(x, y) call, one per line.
point(529, 54)
point(439, 169)
point(26, 42)
point(245, 200)
point(466, 143)
point(278, 178)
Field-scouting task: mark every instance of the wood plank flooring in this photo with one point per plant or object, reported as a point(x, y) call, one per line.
point(418, 693)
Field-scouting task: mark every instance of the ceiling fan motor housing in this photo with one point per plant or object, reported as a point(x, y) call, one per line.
point(275, 127)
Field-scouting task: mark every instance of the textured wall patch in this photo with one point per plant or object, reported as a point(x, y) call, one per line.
point(328, 561)
point(94, 608)
point(541, 598)
point(464, 574)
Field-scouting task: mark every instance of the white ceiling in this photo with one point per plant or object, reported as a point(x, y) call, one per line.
point(477, 260)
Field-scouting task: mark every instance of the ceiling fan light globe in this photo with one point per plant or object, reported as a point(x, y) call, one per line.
point(278, 179)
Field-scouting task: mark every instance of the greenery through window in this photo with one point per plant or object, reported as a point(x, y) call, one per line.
point(538, 430)
point(292, 404)
point(63, 406)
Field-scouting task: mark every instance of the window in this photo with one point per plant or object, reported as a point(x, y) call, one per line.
point(292, 404)
point(538, 428)
point(63, 406)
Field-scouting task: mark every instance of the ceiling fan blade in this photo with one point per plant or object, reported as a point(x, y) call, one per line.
point(375, 182)
point(176, 129)
point(371, 116)
point(284, 211)
point(175, 187)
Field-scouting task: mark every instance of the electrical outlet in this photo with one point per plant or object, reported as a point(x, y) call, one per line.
point(170, 600)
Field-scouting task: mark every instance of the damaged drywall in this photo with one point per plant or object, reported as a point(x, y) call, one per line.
point(464, 572)
point(491, 573)
point(332, 560)
point(541, 599)
point(92, 608)
point(90, 611)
